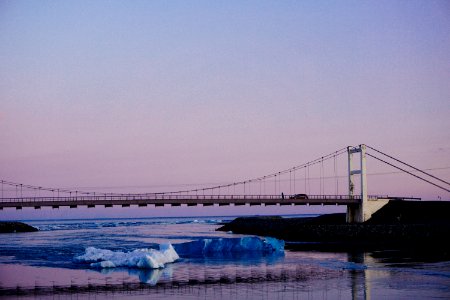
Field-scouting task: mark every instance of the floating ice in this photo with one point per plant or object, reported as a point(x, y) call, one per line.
point(155, 259)
point(243, 245)
point(140, 258)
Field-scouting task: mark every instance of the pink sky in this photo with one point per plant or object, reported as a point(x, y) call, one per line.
point(114, 95)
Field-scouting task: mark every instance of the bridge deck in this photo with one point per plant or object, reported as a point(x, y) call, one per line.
point(174, 200)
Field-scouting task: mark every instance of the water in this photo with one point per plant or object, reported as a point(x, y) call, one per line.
point(41, 264)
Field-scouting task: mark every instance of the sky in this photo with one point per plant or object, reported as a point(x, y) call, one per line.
point(143, 95)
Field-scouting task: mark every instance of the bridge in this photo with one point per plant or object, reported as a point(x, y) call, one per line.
point(176, 200)
point(360, 205)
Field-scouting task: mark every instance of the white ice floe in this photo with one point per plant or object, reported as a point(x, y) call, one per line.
point(140, 258)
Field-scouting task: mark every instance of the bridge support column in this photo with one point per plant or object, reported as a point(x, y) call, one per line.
point(356, 212)
point(362, 211)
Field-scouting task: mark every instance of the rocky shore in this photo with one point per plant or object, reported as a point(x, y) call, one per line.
point(399, 223)
point(11, 227)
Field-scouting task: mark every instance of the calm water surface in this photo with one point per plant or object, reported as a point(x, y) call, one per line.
point(41, 264)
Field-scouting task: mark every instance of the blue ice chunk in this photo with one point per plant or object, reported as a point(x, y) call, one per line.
point(250, 244)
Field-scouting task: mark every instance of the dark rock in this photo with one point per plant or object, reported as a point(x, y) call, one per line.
point(413, 212)
point(397, 223)
point(10, 227)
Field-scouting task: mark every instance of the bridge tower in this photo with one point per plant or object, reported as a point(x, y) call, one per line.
point(355, 212)
point(362, 211)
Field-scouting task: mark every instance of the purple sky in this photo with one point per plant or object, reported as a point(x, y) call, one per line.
point(119, 96)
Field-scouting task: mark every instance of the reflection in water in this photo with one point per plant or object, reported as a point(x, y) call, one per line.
point(147, 276)
point(399, 274)
point(358, 277)
point(152, 276)
point(217, 269)
point(312, 275)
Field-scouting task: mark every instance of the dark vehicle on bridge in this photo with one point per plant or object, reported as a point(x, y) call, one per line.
point(299, 196)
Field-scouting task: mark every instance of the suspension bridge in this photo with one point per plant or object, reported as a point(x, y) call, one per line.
point(264, 190)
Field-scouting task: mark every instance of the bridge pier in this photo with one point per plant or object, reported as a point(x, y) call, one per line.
point(361, 212)
point(354, 213)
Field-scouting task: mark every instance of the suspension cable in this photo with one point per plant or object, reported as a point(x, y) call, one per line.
point(196, 190)
point(368, 154)
point(335, 176)
point(264, 182)
point(279, 183)
point(409, 165)
point(309, 183)
point(294, 180)
point(290, 182)
point(306, 179)
point(322, 181)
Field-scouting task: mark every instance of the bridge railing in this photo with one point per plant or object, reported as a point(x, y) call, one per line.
point(168, 197)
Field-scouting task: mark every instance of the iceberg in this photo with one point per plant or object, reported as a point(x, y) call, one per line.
point(225, 246)
point(157, 259)
point(139, 258)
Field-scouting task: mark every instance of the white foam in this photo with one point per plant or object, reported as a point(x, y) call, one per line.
point(139, 258)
